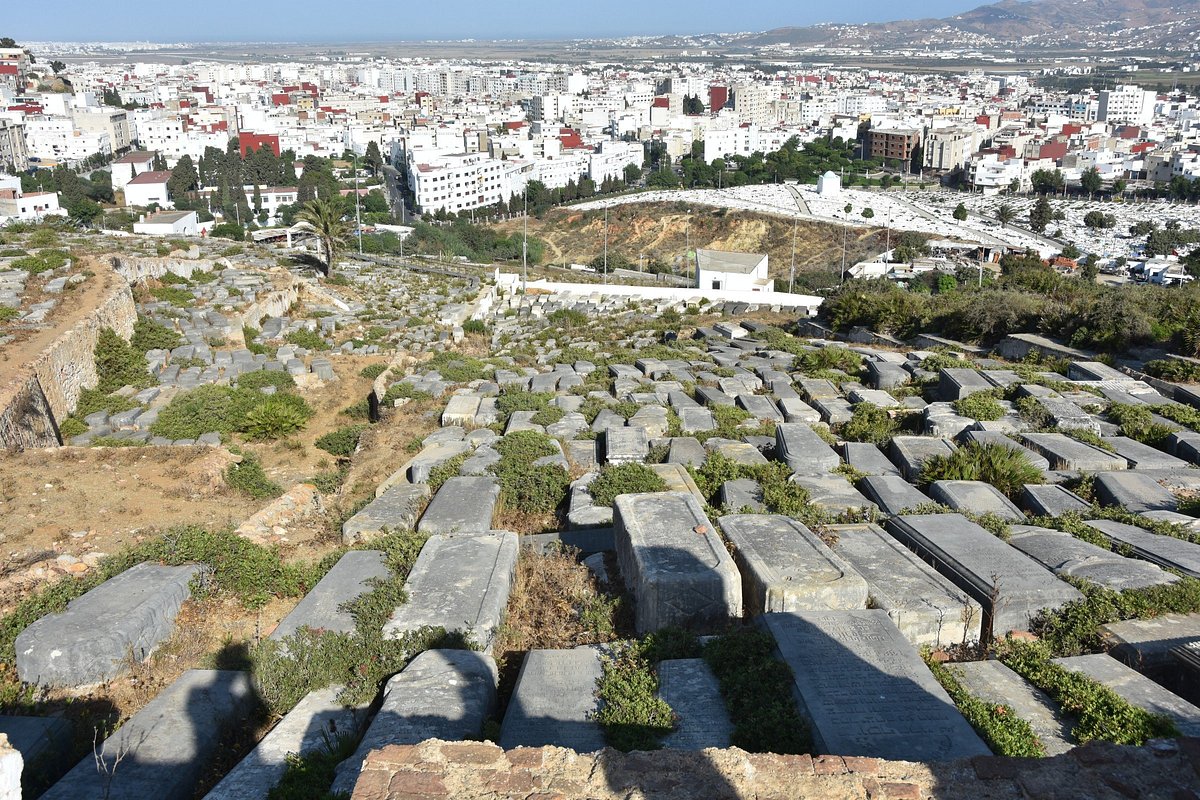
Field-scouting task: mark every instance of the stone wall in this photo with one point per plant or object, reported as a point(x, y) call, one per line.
point(138, 268)
point(50, 389)
point(273, 304)
point(477, 770)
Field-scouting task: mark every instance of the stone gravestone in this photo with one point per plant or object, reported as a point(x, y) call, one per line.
point(691, 690)
point(555, 702)
point(1071, 557)
point(1136, 688)
point(926, 607)
point(462, 505)
point(461, 583)
point(323, 607)
point(996, 684)
point(1011, 586)
point(866, 691)
point(786, 567)
point(91, 641)
point(674, 562)
point(441, 694)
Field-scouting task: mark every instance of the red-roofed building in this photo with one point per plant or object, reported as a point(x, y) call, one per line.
point(129, 166)
point(248, 141)
point(147, 189)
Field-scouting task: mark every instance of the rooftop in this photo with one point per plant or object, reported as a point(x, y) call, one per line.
point(722, 261)
point(152, 177)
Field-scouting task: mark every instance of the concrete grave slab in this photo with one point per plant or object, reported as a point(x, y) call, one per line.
point(1068, 556)
point(1134, 491)
point(1065, 453)
point(891, 493)
point(462, 505)
point(691, 690)
point(396, 509)
point(1166, 551)
point(975, 497)
point(806, 453)
point(555, 702)
point(1137, 689)
point(996, 684)
point(321, 609)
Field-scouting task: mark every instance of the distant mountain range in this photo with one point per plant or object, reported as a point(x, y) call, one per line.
point(1113, 25)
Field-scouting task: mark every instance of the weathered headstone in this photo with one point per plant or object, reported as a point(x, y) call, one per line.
point(975, 497)
point(674, 562)
point(394, 510)
point(865, 690)
point(1065, 453)
point(1137, 689)
point(1068, 556)
point(996, 684)
point(1166, 551)
point(910, 453)
point(555, 702)
point(798, 446)
point(441, 694)
point(322, 608)
point(92, 640)
point(462, 505)
point(786, 567)
point(691, 690)
point(1134, 492)
point(892, 494)
point(832, 493)
point(461, 583)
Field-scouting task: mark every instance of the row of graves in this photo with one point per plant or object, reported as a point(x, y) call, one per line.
point(843, 552)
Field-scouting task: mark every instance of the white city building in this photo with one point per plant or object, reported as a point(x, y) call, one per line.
point(718, 270)
point(1127, 104)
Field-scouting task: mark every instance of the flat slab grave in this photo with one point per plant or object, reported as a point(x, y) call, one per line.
point(832, 492)
point(396, 509)
point(1135, 492)
point(674, 562)
point(555, 702)
point(911, 452)
point(892, 494)
point(926, 607)
point(996, 684)
point(786, 567)
point(350, 578)
point(318, 719)
point(92, 639)
point(1137, 689)
point(803, 450)
point(1070, 557)
point(1146, 644)
point(866, 691)
point(626, 445)
point(1065, 453)
point(1050, 500)
point(868, 459)
point(1010, 586)
point(460, 583)
point(693, 693)
point(1166, 551)
point(462, 505)
point(441, 694)
point(168, 744)
point(975, 496)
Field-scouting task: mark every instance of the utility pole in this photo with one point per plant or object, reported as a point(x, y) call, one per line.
point(792, 274)
point(843, 278)
point(687, 243)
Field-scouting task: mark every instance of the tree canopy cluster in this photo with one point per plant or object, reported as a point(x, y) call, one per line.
point(80, 196)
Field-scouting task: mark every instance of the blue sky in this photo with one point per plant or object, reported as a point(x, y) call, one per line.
point(390, 20)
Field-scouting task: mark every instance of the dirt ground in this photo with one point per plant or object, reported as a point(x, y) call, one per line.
point(663, 230)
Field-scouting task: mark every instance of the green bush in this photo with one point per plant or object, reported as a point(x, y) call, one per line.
point(758, 693)
point(341, 442)
point(373, 371)
point(631, 713)
point(93, 400)
point(203, 409)
point(445, 471)
point(118, 364)
point(249, 478)
point(870, 423)
point(1173, 369)
point(72, 427)
point(309, 776)
point(44, 261)
point(277, 416)
point(982, 406)
point(150, 335)
point(7, 313)
point(523, 486)
point(259, 379)
point(403, 391)
point(548, 416)
point(822, 361)
point(1137, 422)
point(180, 298)
point(1003, 467)
point(512, 400)
point(457, 368)
point(309, 340)
point(624, 479)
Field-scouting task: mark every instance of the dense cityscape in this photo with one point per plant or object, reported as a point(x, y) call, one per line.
point(803, 413)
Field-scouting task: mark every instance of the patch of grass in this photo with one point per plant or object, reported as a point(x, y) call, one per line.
point(511, 400)
point(227, 411)
point(524, 486)
point(372, 371)
point(1001, 729)
point(249, 478)
point(624, 479)
point(309, 340)
point(308, 777)
point(457, 368)
point(1101, 713)
point(173, 295)
point(403, 391)
point(870, 423)
point(260, 379)
point(1003, 467)
point(276, 417)
point(1137, 422)
point(341, 442)
point(757, 688)
point(982, 406)
point(94, 400)
point(1087, 437)
point(113, 441)
point(445, 471)
point(72, 427)
point(150, 335)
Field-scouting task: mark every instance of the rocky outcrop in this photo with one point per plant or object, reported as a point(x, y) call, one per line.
point(477, 770)
point(136, 268)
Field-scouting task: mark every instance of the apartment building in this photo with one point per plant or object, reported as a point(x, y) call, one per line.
point(13, 156)
point(893, 144)
point(1127, 104)
point(459, 182)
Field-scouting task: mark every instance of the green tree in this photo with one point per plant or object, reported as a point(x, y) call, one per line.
point(960, 212)
point(1090, 181)
point(1040, 215)
point(325, 218)
point(1046, 181)
point(184, 178)
point(57, 66)
point(916, 161)
point(8, 41)
point(1071, 251)
point(633, 173)
point(1005, 215)
point(159, 164)
point(692, 105)
point(373, 159)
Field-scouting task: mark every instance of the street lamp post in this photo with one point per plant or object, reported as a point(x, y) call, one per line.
point(687, 243)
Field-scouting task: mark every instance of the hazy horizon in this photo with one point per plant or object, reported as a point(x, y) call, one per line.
point(374, 21)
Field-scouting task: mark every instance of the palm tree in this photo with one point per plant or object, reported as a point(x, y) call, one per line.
point(325, 219)
point(1005, 214)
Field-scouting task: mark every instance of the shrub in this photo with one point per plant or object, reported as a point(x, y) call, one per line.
point(474, 326)
point(229, 230)
point(249, 478)
point(150, 335)
point(264, 377)
point(824, 359)
point(632, 714)
point(624, 479)
point(204, 409)
point(72, 427)
point(309, 340)
point(982, 406)
point(523, 486)
point(758, 692)
point(1137, 422)
point(518, 400)
point(341, 442)
point(7, 313)
point(1172, 369)
point(457, 368)
point(118, 364)
point(94, 400)
point(403, 391)
point(870, 423)
point(276, 417)
point(180, 298)
point(443, 472)
point(1003, 467)
point(372, 371)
